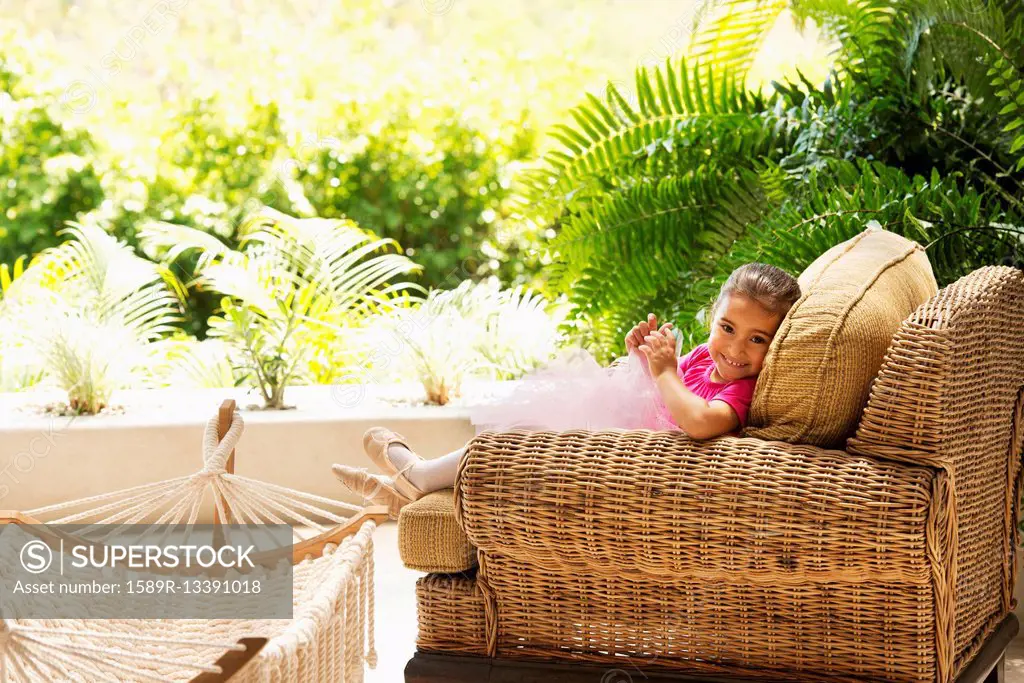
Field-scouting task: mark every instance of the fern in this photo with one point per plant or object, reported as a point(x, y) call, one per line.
point(918, 129)
point(609, 134)
point(958, 226)
point(625, 249)
point(733, 36)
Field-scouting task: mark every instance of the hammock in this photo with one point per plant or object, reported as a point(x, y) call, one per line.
point(328, 638)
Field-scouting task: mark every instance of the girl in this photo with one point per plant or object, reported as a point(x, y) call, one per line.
point(705, 394)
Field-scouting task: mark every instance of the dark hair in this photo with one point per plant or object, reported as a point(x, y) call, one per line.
point(773, 288)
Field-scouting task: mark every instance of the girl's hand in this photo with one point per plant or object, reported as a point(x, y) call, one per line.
point(635, 337)
point(659, 348)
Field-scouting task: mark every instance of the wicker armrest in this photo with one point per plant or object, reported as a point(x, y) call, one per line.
point(950, 394)
point(661, 503)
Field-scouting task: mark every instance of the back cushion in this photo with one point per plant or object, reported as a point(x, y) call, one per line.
point(818, 371)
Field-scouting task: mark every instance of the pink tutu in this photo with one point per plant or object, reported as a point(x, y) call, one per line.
point(574, 391)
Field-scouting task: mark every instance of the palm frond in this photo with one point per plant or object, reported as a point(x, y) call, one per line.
point(475, 329)
point(293, 283)
point(93, 306)
point(189, 363)
point(9, 274)
point(345, 262)
point(170, 240)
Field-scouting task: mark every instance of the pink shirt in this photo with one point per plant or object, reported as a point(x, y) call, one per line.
point(695, 371)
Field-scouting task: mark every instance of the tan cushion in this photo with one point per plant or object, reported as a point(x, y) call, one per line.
point(820, 366)
point(429, 538)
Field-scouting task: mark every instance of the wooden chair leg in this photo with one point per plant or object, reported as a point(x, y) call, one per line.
point(998, 673)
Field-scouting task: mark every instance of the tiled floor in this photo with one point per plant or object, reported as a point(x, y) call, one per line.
point(1014, 662)
point(396, 615)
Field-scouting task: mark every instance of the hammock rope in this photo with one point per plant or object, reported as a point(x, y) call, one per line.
point(332, 629)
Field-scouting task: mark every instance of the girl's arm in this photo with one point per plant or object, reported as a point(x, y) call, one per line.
point(700, 419)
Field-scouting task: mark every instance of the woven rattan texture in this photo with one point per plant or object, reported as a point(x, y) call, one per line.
point(825, 354)
point(450, 613)
point(946, 395)
point(853, 631)
point(727, 555)
point(663, 504)
point(429, 537)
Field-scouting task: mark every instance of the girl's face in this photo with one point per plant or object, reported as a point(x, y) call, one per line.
point(740, 335)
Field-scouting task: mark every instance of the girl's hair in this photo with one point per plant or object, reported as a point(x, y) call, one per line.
point(773, 288)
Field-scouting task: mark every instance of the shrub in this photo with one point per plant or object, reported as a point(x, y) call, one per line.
point(47, 171)
point(294, 286)
point(656, 201)
point(435, 183)
point(90, 310)
point(473, 330)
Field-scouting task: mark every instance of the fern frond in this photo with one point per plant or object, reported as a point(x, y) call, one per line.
point(860, 29)
point(835, 204)
point(958, 39)
point(624, 250)
point(610, 134)
point(733, 35)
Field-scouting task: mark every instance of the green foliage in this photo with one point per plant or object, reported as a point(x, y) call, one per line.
point(296, 287)
point(439, 189)
point(87, 313)
point(216, 112)
point(731, 38)
point(680, 106)
point(834, 204)
point(47, 168)
point(918, 129)
point(210, 173)
point(648, 195)
point(182, 361)
point(437, 184)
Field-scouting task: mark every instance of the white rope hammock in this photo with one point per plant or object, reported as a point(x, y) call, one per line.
point(328, 638)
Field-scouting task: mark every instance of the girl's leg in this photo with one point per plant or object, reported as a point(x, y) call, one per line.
point(428, 475)
point(425, 475)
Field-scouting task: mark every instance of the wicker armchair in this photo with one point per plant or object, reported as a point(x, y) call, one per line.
point(633, 555)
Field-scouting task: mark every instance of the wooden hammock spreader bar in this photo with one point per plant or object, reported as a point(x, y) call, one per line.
point(232, 661)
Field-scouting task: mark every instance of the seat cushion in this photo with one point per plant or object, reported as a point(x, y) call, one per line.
point(818, 372)
point(429, 537)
